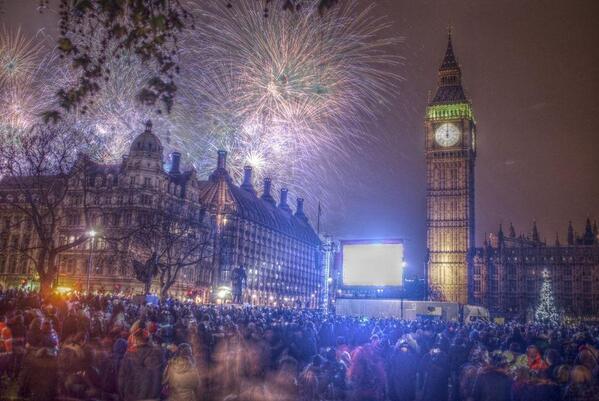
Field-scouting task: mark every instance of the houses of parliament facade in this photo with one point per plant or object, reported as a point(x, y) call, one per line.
point(506, 273)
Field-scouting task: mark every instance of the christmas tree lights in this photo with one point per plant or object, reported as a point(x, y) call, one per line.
point(546, 311)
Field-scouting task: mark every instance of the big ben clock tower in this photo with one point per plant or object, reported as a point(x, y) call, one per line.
point(450, 154)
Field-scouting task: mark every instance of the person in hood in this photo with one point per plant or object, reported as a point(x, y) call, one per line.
point(181, 377)
point(535, 361)
point(140, 372)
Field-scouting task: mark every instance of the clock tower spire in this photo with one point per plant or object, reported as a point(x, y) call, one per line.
point(450, 156)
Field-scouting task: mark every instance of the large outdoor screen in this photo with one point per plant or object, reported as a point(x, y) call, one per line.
point(372, 264)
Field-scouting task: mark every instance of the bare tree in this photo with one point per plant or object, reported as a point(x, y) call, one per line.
point(39, 170)
point(167, 240)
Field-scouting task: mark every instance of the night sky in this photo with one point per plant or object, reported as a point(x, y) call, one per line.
point(531, 70)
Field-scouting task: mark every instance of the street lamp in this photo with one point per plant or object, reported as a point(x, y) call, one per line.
point(92, 235)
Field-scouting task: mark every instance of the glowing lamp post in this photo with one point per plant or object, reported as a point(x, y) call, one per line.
point(92, 235)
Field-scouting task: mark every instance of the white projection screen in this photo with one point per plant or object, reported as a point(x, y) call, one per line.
point(373, 264)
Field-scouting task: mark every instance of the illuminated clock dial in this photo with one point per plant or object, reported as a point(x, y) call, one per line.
point(447, 134)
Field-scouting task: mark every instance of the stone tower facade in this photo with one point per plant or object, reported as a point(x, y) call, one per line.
point(450, 155)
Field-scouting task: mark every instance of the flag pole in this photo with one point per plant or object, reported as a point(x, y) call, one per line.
point(318, 219)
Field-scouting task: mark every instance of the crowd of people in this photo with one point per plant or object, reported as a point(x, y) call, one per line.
point(80, 347)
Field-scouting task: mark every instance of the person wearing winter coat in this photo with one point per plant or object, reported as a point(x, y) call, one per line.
point(181, 377)
point(140, 372)
point(111, 366)
point(367, 373)
point(492, 384)
point(39, 376)
point(434, 368)
point(402, 372)
point(535, 361)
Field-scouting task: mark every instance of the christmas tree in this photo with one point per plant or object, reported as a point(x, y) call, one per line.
point(546, 311)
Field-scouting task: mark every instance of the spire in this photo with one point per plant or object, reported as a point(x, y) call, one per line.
point(500, 235)
point(512, 231)
point(570, 234)
point(535, 232)
point(557, 243)
point(449, 61)
point(449, 88)
point(588, 237)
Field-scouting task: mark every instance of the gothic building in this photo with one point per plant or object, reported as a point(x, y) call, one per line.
point(450, 155)
point(505, 275)
point(508, 269)
point(278, 249)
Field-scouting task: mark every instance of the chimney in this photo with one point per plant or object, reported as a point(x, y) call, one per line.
point(222, 159)
point(299, 212)
point(283, 201)
point(247, 180)
point(175, 162)
point(266, 193)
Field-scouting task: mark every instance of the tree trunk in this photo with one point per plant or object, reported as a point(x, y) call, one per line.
point(46, 285)
point(148, 285)
point(165, 285)
point(164, 291)
point(43, 271)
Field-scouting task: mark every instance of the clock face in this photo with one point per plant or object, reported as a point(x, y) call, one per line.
point(447, 134)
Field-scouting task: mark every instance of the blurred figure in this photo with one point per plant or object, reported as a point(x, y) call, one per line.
point(580, 387)
point(283, 383)
point(435, 375)
point(402, 372)
point(181, 377)
point(39, 377)
point(492, 383)
point(140, 372)
point(109, 370)
point(367, 373)
point(535, 362)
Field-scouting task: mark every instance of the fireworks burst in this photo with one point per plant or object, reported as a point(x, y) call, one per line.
point(286, 92)
point(25, 70)
point(19, 57)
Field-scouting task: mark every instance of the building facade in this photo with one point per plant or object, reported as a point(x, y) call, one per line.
point(234, 228)
point(508, 273)
point(450, 155)
point(277, 248)
point(100, 221)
